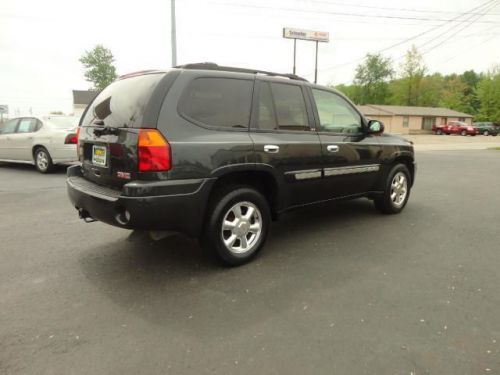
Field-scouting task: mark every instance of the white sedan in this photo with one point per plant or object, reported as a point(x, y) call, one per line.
point(40, 140)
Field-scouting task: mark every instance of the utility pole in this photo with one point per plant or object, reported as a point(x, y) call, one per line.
point(173, 33)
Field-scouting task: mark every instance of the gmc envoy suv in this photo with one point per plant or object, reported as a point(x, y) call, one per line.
point(218, 152)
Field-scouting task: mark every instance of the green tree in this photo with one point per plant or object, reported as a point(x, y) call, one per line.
point(453, 94)
point(351, 91)
point(371, 79)
point(488, 92)
point(408, 90)
point(99, 68)
point(471, 102)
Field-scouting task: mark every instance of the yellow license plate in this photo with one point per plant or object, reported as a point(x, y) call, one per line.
point(99, 156)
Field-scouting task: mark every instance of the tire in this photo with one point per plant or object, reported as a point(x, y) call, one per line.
point(439, 132)
point(43, 161)
point(494, 134)
point(387, 203)
point(486, 133)
point(228, 204)
point(463, 133)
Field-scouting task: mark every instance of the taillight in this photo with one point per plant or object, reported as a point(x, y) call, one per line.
point(153, 151)
point(71, 139)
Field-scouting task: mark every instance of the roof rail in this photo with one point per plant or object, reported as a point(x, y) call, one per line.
point(213, 66)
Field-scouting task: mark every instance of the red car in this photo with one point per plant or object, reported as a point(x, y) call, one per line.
point(455, 127)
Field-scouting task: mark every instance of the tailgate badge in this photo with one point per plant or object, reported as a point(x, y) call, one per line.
point(125, 175)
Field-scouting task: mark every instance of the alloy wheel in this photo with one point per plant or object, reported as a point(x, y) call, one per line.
point(399, 189)
point(241, 227)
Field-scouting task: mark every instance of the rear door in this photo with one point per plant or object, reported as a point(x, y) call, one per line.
point(285, 140)
point(22, 140)
point(6, 132)
point(110, 126)
point(350, 155)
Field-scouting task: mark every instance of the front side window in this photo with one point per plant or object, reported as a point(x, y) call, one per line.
point(26, 125)
point(336, 114)
point(218, 102)
point(9, 127)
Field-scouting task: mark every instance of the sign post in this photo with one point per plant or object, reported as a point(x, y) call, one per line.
point(310, 35)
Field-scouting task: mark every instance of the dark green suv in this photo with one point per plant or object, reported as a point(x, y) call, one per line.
point(487, 128)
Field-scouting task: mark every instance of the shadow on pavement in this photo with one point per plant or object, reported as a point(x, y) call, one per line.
point(173, 283)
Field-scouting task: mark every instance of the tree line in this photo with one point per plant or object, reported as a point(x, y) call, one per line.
point(377, 82)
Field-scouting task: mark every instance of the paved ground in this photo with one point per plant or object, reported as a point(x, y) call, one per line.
point(453, 142)
point(339, 289)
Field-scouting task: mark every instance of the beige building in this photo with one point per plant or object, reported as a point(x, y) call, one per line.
point(411, 120)
point(82, 98)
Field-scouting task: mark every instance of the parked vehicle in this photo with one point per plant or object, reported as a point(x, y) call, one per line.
point(487, 128)
point(218, 152)
point(40, 140)
point(455, 127)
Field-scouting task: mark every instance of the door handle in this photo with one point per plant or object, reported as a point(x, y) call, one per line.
point(332, 148)
point(272, 149)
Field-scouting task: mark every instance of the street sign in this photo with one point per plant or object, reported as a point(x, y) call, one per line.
point(4, 109)
point(316, 36)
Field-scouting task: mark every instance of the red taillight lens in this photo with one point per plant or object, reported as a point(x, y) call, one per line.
point(153, 151)
point(71, 139)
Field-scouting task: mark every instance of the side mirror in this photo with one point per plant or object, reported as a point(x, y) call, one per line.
point(375, 127)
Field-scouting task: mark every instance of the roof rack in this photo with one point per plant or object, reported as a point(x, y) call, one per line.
point(213, 66)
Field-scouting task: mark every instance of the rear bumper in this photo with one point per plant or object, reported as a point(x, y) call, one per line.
point(64, 154)
point(161, 205)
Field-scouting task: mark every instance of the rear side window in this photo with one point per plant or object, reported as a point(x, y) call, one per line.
point(26, 125)
point(123, 103)
point(218, 102)
point(290, 107)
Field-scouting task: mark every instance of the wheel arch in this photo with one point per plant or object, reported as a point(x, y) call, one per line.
point(261, 178)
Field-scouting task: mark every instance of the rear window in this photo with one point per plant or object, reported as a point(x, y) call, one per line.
point(123, 103)
point(61, 122)
point(219, 102)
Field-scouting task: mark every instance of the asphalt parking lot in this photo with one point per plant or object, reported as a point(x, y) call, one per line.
point(339, 289)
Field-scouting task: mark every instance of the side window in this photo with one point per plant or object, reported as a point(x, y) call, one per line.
point(406, 121)
point(335, 114)
point(221, 102)
point(26, 125)
point(266, 116)
point(9, 127)
point(290, 107)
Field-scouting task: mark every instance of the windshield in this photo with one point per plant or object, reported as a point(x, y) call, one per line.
point(62, 122)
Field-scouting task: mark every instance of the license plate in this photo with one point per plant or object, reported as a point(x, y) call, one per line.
point(99, 155)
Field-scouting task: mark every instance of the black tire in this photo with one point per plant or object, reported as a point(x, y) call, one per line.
point(384, 203)
point(486, 133)
point(43, 163)
point(224, 200)
point(494, 134)
point(463, 133)
point(439, 132)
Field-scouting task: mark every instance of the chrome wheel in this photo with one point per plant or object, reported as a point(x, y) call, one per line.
point(42, 160)
point(241, 227)
point(486, 133)
point(399, 189)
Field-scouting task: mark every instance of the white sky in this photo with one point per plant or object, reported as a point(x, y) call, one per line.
point(41, 41)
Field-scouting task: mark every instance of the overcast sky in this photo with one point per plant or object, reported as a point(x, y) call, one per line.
point(41, 41)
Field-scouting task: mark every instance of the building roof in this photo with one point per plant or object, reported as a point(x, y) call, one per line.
point(412, 111)
point(368, 110)
point(83, 96)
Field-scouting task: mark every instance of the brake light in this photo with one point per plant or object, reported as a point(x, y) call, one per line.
point(71, 139)
point(153, 151)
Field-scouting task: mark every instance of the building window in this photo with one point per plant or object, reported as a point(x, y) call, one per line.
point(427, 122)
point(444, 120)
point(461, 119)
point(406, 121)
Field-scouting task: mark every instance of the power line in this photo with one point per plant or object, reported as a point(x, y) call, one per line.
point(486, 4)
point(346, 13)
point(391, 9)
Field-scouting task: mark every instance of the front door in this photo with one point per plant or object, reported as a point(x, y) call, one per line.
point(285, 140)
point(350, 155)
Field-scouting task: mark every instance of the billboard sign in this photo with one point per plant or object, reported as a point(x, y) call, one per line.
point(316, 36)
point(4, 109)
